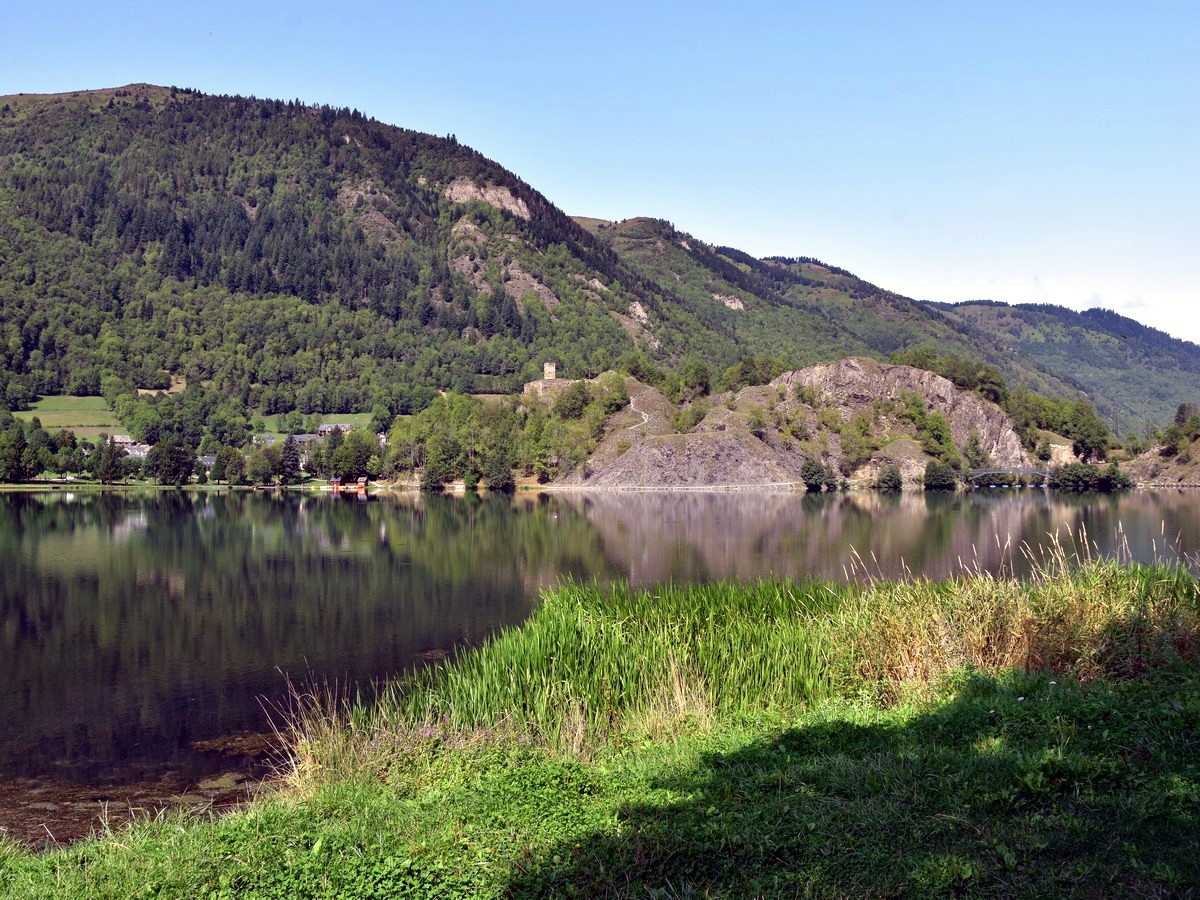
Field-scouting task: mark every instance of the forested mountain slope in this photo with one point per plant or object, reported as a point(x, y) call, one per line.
point(274, 256)
point(802, 310)
point(1132, 374)
point(282, 254)
point(806, 311)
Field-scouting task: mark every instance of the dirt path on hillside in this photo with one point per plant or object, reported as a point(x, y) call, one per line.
point(645, 415)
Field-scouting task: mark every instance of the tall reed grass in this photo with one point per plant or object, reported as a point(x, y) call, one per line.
point(603, 656)
point(594, 663)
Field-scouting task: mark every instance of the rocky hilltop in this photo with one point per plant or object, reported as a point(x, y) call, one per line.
point(854, 416)
point(855, 385)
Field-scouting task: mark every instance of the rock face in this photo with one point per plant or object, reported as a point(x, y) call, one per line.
point(853, 385)
point(705, 460)
point(1153, 468)
point(797, 417)
point(463, 190)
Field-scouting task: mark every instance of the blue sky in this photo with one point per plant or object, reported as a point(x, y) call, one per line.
point(1044, 152)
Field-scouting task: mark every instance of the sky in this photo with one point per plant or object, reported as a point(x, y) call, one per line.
point(1023, 152)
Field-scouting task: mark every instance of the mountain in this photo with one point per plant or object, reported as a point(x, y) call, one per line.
point(277, 255)
point(800, 309)
point(1132, 374)
point(262, 256)
point(805, 311)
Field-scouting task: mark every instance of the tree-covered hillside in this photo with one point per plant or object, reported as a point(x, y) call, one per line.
point(801, 310)
point(263, 256)
point(1135, 376)
point(285, 255)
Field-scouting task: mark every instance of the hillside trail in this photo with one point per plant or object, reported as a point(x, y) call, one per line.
point(645, 415)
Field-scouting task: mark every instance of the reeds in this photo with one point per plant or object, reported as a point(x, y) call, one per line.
point(592, 665)
point(600, 658)
point(1085, 618)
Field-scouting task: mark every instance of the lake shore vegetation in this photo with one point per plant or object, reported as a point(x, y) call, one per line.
point(981, 735)
point(498, 441)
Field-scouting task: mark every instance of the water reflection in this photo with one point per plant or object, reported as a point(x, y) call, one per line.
point(655, 537)
point(131, 626)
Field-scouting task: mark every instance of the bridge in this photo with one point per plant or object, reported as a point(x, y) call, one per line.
point(1044, 474)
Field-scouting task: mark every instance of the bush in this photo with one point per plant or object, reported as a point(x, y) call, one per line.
point(1080, 477)
point(573, 401)
point(939, 476)
point(856, 449)
point(757, 422)
point(814, 475)
point(614, 395)
point(888, 479)
point(689, 417)
point(808, 395)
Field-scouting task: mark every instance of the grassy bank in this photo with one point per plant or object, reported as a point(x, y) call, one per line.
point(977, 736)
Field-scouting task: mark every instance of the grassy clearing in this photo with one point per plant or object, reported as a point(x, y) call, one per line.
point(355, 420)
point(71, 412)
point(178, 386)
point(978, 737)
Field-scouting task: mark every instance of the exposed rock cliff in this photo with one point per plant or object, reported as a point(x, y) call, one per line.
point(1176, 470)
point(854, 385)
point(848, 415)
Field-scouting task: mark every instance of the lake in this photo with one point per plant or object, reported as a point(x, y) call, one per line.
point(134, 625)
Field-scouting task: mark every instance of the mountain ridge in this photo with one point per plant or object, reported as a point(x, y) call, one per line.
point(285, 255)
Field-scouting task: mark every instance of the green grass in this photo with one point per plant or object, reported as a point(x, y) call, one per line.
point(66, 411)
point(357, 420)
point(596, 659)
point(1017, 786)
point(607, 660)
point(978, 737)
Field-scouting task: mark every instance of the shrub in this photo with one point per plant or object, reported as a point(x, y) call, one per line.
point(888, 479)
point(614, 395)
point(573, 401)
point(856, 449)
point(939, 476)
point(814, 475)
point(757, 422)
point(808, 395)
point(832, 419)
point(1080, 477)
point(690, 416)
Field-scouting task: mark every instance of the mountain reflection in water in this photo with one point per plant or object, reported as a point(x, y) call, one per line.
point(659, 537)
point(133, 625)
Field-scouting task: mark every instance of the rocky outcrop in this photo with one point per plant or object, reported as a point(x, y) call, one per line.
point(362, 199)
point(762, 436)
point(464, 190)
point(1174, 470)
point(703, 460)
point(853, 385)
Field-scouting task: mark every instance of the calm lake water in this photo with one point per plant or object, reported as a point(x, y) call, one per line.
point(132, 626)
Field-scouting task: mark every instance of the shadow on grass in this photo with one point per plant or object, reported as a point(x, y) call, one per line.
point(1016, 786)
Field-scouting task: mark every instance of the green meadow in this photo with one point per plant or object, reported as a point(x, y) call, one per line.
point(976, 737)
point(86, 416)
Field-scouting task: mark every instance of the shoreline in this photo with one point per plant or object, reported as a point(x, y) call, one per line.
point(991, 725)
point(458, 489)
point(47, 813)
